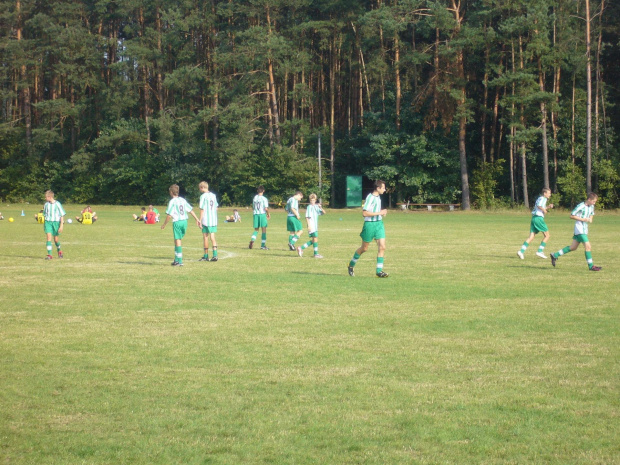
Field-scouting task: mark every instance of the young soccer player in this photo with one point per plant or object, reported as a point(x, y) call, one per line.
point(177, 212)
point(54, 222)
point(151, 216)
point(373, 229)
point(261, 215)
point(538, 224)
point(582, 214)
point(208, 220)
point(87, 216)
point(293, 220)
point(313, 212)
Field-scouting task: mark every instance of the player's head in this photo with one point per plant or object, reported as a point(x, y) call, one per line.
point(380, 186)
point(174, 190)
point(143, 209)
point(49, 194)
point(592, 198)
point(260, 190)
point(312, 197)
point(546, 192)
point(150, 208)
point(203, 186)
point(299, 195)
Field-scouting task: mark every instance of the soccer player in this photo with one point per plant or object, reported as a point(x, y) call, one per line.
point(208, 220)
point(582, 214)
point(177, 212)
point(313, 212)
point(538, 224)
point(373, 229)
point(261, 215)
point(87, 216)
point(54, 222)
point(293, 220)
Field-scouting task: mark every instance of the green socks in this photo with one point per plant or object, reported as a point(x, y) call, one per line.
point(524, 246)
point(354, 260)
point(589, 259)
point(263, 239)
point(542, 246)
point(379, 264)
point(178, 254)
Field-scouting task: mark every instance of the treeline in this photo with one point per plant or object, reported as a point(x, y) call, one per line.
point(482, 102)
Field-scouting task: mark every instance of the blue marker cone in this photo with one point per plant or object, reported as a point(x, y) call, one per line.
point(23, 214)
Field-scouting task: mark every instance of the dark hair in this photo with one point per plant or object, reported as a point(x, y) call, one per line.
point(592, 196)
point(379, 183)
point(260, 189)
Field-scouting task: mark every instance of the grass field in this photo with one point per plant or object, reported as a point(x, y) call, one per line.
point(464, 355)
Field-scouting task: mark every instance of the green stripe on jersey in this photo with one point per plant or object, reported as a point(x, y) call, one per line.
point(178, 209)
point(259, 204)
point(53, 211)
point(373, 204)
point(208, 204)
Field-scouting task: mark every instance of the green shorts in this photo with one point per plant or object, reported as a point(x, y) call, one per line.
point(313, 234)
point(260, 221)
point(293, 224)
point(372, 230)
point(209, 229)
point(51, 227)
point(581, 238)
point(179, 228)
point(538, 225)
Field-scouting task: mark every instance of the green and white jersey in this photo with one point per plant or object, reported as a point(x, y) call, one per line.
point(178, 209)
point(542, 203)
point(259, 204)
point(53, 211)
point(291, 204)
point(373, 204)
point(312, 214)
point(583, 211)
point(208, 203)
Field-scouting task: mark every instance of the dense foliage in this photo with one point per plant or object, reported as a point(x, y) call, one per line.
point(449, 101)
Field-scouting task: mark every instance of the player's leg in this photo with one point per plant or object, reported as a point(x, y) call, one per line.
point(205, 245)
point(564, 251)
point(315, 245)
point(588, 254)
point(380, 255)
point(263, 238)
point(48, 245)
point(541, 247)
point(356, 256)
point(57, 243)
point(214, 246)
point(178, 252)
point(525, 245)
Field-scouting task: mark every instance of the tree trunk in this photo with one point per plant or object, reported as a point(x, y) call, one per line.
point(25, 86)
point(543, 116)
point(588, 103)
point(332, 120)
point(397, 79)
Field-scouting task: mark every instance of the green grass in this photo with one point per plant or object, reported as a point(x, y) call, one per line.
point(465, 355)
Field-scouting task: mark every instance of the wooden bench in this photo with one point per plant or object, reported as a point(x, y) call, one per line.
point(429, 206)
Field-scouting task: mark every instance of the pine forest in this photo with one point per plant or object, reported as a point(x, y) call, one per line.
point(476, 102)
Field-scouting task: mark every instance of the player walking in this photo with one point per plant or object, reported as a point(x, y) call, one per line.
point(373, 229)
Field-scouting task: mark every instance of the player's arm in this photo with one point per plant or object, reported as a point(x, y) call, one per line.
point(165, 221)
point(380, 213)
point(62, 223)
point(267, 212)
point(202, 214)
point(194, 215)
point(578, 218)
